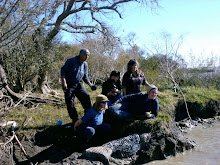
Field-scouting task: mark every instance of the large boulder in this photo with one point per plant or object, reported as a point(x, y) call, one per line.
point(141, 148)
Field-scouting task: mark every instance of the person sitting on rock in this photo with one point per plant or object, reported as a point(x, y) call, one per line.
point(112, 87)
point(136, 104)
point(92, 121)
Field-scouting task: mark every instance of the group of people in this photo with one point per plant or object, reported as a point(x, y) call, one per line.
point(131, 104)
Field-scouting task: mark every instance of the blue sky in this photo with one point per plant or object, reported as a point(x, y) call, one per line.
point(197, 20)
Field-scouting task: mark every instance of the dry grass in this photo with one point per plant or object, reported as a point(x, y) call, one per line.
point(47, 115)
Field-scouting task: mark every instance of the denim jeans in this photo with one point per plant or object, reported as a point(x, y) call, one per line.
point(119, 111)
point(112, 99)
point(88, 132)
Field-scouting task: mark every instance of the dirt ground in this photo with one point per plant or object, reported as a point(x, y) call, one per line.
point(55, 145)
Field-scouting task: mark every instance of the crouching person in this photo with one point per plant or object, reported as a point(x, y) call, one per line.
point(136, 104)
point(92, 122)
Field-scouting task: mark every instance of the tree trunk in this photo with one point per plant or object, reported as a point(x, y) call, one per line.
point(43, 86)
point(4, 85)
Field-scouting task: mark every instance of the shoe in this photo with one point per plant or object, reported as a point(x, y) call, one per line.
point(84, 147)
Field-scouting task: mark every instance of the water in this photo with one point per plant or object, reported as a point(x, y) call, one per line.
point(207, 151)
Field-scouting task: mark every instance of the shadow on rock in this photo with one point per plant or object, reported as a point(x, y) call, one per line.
point(54, 144)
point(55, 135)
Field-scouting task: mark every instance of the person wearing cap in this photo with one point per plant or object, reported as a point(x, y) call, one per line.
point(136, 104)
point(112, 87)
point(133, 79)
point(92, 121)
point(72, 72)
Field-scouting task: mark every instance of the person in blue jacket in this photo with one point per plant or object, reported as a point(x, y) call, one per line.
point(72, 72)
point(136, 104)
point(92, 122)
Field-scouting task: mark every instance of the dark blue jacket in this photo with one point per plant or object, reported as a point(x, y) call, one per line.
point(139, 103)
point(74, 71)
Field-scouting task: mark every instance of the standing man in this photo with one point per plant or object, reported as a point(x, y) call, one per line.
point(72, 72)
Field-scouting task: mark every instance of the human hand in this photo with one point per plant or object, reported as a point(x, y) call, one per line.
point(116, 102)
point(64, 88)
point(148, 114)
point(93, 87)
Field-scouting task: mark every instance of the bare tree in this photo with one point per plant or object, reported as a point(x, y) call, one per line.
point(170, 61)
point(45, 19)
point(133, 50)
point(103, 55)
point(41, 21)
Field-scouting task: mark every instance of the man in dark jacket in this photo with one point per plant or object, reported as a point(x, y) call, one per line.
point(72, 72)
point(136, 104)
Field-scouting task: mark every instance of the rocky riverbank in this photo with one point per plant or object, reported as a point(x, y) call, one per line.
point(135, 141)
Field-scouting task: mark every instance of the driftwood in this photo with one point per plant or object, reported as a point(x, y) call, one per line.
point(16, 99)
point(13, 99)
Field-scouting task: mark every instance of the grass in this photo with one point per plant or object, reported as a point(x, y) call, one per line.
point(47, 115)
point(201, 95)
point(41, 117)
point(167, 98)
point(149, 125)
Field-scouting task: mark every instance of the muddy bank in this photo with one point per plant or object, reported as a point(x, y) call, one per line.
point(51, 147)
point(155, 139)
point(197, 110)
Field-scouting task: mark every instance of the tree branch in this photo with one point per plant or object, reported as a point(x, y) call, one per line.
point(77, 31)
point(4, 19)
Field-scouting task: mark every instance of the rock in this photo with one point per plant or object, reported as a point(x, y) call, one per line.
point(139, 149)
point(121, 148)
point(145, 138)
point(125, 147)
point(163, 143)
point(101, 153)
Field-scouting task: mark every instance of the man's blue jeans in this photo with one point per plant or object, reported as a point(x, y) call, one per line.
point(113, 99)
point(119, 111)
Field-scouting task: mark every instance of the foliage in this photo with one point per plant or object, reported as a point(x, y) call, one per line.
point(102, 59)
point(203, 77)
point(168, 98)
point(200, 94)
point(62, 53)
point(23, 63)
point(41, 21)
point(150, 67)
point(35, 52)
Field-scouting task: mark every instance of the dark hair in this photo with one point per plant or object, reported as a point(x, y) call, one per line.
point(131, 63)
point(115, 73)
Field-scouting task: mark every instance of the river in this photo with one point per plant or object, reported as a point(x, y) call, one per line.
point(207, 151)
